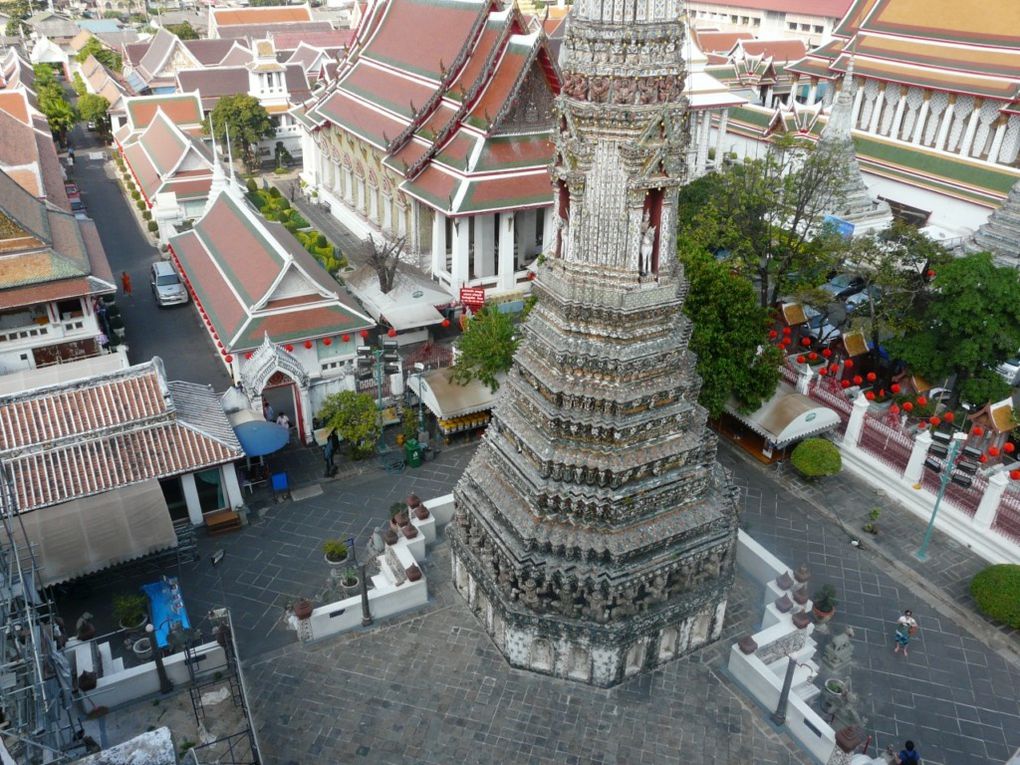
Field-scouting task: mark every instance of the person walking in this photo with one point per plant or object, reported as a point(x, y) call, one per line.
point(267, 411)
point(906, 628)
point(908, 755)
point(125, 283)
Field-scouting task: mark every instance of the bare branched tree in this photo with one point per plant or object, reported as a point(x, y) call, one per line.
point(384, 259)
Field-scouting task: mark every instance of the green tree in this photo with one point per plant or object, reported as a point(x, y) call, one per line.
point(355, 418)
point(79, 84)
point(248, 123)
point(184, 30)
point(59, 113)
point(969, 325)
point(108, 58)
point(17, 13)
point(94, 108)
point(486, 349)
point(766, 213)
point(730, 335)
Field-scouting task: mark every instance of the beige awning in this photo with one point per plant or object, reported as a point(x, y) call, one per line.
point(787, 417)
point(85, 535)
point(447, 399)
point(412, 316)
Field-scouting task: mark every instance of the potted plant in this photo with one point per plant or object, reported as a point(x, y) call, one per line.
point(130, 611)
point(824, 603)
point(142, 649)
point(816, 457)
point(871, 526)
point(349, 581)
point(335, 552)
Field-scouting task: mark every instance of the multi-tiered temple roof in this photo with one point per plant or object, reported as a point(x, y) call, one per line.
point(461, 114)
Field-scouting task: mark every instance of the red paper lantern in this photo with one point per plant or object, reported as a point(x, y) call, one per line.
point(823, 371)
point(833, 368)
point(308, 344)
point(787, 331)
point(805, 341)
point(1009, 447)
point(949, 417)
point(773, 334)
point(894, 409)
point(247, 355)
point(907, 406)
point(858, 379)
point(983, 459)
point(327, 341)
point(870, 395)
point(922, 401)
point(895, 388)
point(228, 358)
point(801, 359)
point(223, 351)
point(786, 341)
point(848, 364)
point(345, 338)
point(977, 431)
point(812, 356)
point(364, 334)
point(444, 323)
point(871, 377)
point(289, 348)
point(1015, 475)
point(935, 421)
point(845, 383)
point(993, 451)
point(219, 343)
point(391, 332)
point(827, 353)
point(531, 276)
point(881, 392)
point(931, 274)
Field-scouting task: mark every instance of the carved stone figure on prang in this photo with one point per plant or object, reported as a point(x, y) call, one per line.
point(648, 90)
point(575, 85)
point(599, 89)
point(625, 90)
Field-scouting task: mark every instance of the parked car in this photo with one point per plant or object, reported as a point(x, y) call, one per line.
point(167, 287)
point(843, 285)
point(74, 197)
point(819, 328)
point(862, 298)
point(1010, 370)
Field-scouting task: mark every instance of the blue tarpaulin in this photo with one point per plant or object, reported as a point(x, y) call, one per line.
point(260, 437)
point(166, 606)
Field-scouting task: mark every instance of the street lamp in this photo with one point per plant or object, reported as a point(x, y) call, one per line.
point(948, 448)
point(419, 370)
point(779, 716)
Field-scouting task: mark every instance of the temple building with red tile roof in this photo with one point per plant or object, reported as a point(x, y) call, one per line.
point(92, 462)
point(53, 273)
point(258, 22)
point(183, 109)
point(437, 131)
point(152, 66)
point(278, 317)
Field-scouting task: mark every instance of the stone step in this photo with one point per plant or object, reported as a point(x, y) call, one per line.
point(806, 691)
point(83, 658)
point(105, 659)
point(118, 666)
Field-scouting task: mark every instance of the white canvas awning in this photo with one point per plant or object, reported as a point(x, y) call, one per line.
point(448, 400)
point(85, 535)
point(787, 417)
point(412, 316)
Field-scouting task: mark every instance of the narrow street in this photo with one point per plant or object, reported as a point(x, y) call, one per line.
point(174, 334)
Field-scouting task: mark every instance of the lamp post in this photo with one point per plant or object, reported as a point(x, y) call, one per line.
point(779, 716)
point(419, 370)
point(948, 447)
point(165, 686)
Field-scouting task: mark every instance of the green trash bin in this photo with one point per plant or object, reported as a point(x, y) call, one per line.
point(412, 452)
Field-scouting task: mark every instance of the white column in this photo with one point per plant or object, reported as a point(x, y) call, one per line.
point(1000, 133)
point(918, 454)
point(548, 231)
point(721, 136)
point(703, 135)
point(856, 422)
point(191, 499)
point(897, 122)
point(507, 279)
point(228, 476)
point(858, 100)
point(438, 243)
point(306, 415)
point(804, 377)
point(461, 253)
point(968, 136)
point(922, 117)
point(485, 245)
point(984, 517)
point(876, 112)
point(813, 91)
point(943, 134)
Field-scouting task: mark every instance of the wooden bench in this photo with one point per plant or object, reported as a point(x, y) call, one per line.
point(222, 521)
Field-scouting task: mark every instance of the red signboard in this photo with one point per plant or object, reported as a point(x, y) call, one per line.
point(472, 297)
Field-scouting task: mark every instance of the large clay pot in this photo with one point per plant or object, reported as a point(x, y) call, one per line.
point(303, 609)
point(390, 537)
point(421, 512)
point(142, 649)
point(410, 532)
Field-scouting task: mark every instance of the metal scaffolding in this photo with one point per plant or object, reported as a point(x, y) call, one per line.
point(38, 720)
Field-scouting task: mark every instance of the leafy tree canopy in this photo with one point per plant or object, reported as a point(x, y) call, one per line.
point(17, 12)
point(248, 123)
point(94, 108)
point(970, 324)
point(108, 58)
point(184, 30)
point(59, 113)
point(355, 419)
point(486, 349)
point(730, 335)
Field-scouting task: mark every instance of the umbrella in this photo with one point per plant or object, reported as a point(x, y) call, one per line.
point(257, 436)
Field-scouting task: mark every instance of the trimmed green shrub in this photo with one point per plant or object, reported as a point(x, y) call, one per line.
point(153, 226)
point(140, 204)
point(274, 192)
point(135, 195)
point(816, 457)
point(146, 215)
point(251, 186)
point(996, 590)
point(320, 241)
point(281, 203)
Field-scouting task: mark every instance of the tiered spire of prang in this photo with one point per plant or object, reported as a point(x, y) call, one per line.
point(595, 530)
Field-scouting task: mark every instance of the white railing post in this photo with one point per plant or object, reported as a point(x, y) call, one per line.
point(856, 423)
point(984, 516)
point(918, 454)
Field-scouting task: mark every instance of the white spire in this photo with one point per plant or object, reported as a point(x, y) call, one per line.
point(219, 178)
point(840, 122)
point(232, 185)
